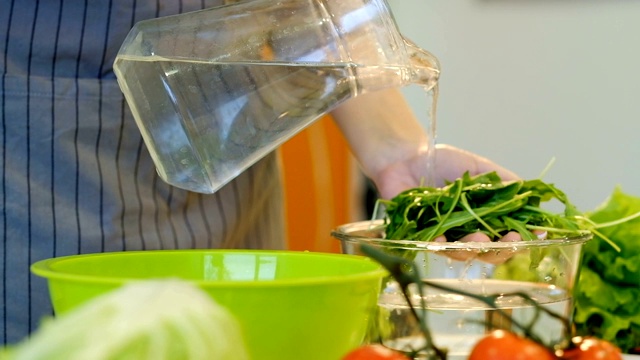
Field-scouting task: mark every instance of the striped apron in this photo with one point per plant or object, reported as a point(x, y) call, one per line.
point(75, 176)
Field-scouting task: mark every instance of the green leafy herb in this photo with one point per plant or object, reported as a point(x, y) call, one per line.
point(608, 289)
point(482, 203)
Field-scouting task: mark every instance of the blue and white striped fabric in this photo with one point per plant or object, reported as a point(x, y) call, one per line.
point(75, 176)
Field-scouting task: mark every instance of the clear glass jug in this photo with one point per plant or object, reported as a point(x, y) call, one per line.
point(213, 91)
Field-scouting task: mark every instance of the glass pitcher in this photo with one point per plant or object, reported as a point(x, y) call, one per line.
point(214, 91)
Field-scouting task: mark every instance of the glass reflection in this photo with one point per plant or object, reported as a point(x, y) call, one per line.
point(239, 267)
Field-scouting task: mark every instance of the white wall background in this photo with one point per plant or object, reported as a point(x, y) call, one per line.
point(524, 81)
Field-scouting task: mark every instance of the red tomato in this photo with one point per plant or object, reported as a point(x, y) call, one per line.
point(504, 345)
point(374, 352)
point(589, 348)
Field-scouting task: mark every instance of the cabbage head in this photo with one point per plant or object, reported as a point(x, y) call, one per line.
point(156, 319)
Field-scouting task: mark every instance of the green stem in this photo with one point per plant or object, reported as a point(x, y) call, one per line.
point(491, 302)
point(465, 204)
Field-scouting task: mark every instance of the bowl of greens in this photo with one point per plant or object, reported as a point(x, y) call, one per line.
point(289, 305)
point(479, 235)
point(544, 270)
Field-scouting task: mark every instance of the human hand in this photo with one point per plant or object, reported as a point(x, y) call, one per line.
point(451, 163)
point(392, 147)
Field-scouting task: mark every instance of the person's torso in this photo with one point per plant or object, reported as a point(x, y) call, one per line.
point(75, 176)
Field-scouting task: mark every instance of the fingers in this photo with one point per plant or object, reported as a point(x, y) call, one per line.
point(497, 257)
point(494, 256)
point(452, 162)
point(468, 254)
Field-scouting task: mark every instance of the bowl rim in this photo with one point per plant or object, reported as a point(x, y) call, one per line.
point(43, 268)
point(345, 233)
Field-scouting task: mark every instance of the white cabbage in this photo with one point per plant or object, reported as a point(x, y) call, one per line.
point(159, 320)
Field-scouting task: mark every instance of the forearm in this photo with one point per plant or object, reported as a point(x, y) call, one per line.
point(381, 129)
point(391, 145)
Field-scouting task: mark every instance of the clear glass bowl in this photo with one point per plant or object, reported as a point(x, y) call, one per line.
point(546, 270)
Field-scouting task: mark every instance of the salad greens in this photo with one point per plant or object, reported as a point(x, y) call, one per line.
point(606, 301)
point(608, 291)
point(155, 319)
point(482, 203)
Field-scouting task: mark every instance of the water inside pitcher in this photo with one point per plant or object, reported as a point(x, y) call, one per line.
point(214, 91)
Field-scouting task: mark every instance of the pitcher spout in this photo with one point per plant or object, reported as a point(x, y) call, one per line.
point(425, 67)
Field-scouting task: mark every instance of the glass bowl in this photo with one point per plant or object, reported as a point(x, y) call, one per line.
point(545, 270)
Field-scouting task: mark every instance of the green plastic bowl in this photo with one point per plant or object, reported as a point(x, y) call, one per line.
point(290, 305)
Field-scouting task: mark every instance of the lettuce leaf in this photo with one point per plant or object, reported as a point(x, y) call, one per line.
point(145, 320)
point(606, 300)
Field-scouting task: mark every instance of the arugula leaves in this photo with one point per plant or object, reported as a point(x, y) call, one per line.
point(480, 203)
point(606, 300)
